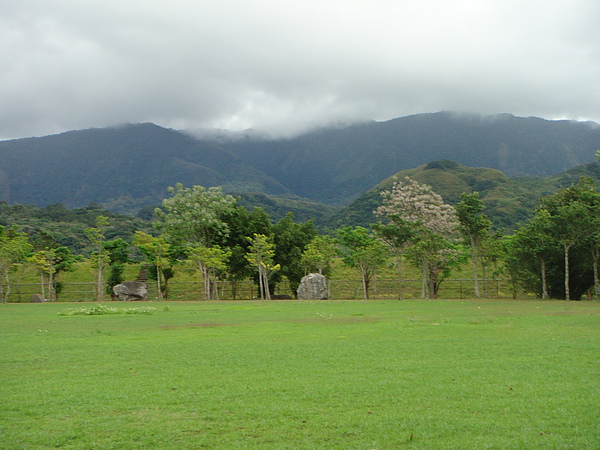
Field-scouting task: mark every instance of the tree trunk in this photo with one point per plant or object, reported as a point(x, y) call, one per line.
point(266, 285)
point(400, 283)
point(375, 283)
point(567, 294)
point(433, 285)
point(544, 280)
point(596, 280)
point(214, 287)
point(8, 287)
point(424, 281)
point(3, 293)
point(51, 285)
point(483, 278)
point(205, 281)
point(474, 264)
point(42, 283)
point(99, 282)
point(261, 283)
point(158, 293)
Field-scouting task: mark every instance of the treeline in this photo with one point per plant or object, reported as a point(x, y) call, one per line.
point(58, 225)
point(196, 228)
point(554, 255)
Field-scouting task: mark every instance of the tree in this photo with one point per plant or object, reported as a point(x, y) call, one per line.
point(96, 235)
point(155, 250)
point(418, 203)
point(241, 224)
point(63, 261)
point(512, 265)
point(363, 252)
point(42, 260)
point(435, 224)
point(208, 261)
point(14, 249)
point(50, 263)
point(290, 241)
point(534, 240)
point(319, 253)
point(474, 226)
point(397, 236)
point(574, 216)
point(436, 255)
point(44, 241)
point(118, 255)
point(568, 230)
point(593, 242)
point(195, 217)
point(260, 255)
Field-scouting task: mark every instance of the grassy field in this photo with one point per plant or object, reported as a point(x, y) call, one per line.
point(302, 375)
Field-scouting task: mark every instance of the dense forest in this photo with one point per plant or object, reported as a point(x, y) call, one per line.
point(551, 248)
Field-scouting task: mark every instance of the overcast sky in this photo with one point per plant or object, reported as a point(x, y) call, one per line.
point(285, 65)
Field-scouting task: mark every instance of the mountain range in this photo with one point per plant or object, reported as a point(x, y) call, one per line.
point(129, 167)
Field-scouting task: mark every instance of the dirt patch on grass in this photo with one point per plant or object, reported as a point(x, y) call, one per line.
point(327, 319)
point(197, 325)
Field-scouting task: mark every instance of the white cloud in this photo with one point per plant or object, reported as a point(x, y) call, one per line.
point(283, 66)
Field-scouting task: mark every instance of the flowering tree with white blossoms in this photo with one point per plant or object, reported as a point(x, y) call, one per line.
point(431, 244)
point(418, 203)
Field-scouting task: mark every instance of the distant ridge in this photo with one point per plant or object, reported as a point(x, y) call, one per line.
point(128, 167)
point(122, 168)
point(336, 165)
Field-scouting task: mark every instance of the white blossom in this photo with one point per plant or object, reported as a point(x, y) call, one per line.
point(418, 203)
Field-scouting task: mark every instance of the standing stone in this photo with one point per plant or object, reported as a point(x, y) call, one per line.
point(131, 291)
point(37, 298)
point(313, 287)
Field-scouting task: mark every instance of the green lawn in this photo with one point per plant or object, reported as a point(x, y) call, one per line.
point(302, 375)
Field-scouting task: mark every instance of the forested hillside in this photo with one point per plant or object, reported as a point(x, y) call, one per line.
point(127, 168)
point(336, 165)
point(56, 225)
point(507, 201)
point(122, 169)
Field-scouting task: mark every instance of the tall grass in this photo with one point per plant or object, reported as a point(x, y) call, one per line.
point(295, 375)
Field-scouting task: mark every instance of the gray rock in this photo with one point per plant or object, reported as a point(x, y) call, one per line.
point(131, 291)
point(313, 287)
point(37, 298)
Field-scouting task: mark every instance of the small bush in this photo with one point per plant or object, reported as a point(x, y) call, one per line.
point(98, 310)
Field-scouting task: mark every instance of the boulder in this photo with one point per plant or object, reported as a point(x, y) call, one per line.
point(313, 287)
point(37, 298)
point(131, 291)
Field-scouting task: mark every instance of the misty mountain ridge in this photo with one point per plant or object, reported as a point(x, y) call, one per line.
point(333, 165)
point(128, 167)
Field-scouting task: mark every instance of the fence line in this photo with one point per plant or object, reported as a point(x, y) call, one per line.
point(246, 290)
